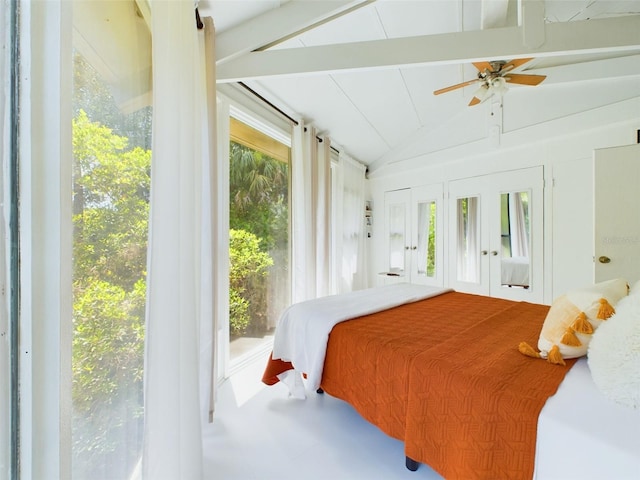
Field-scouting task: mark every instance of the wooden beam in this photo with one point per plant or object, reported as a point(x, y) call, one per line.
point(579, 37)
point(279, 24)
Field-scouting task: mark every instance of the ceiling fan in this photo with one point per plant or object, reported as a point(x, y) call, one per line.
point(493, 77)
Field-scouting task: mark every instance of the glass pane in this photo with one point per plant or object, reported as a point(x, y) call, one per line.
point(111, 182)
point(505, 232)
point(468, 249)
point(515, 264)
point(426, 248)
point(259, 285)
point(396, 237)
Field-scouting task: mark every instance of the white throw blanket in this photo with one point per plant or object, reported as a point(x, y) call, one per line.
point(303, 329)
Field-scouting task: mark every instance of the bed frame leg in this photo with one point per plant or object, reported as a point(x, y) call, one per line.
point(320, 390)
point(411, 464)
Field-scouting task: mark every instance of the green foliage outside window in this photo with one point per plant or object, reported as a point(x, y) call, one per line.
point(258, 219)
point(111, 207)
point(248, 270)
point(431, 244)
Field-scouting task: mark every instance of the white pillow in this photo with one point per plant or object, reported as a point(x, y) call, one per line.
point(572, 319)
point(614, 354)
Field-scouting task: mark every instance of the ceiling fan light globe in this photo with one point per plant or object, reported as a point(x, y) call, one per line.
point(482, 92)
point(499, 85)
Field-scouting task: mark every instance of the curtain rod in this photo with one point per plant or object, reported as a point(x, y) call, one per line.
point(281, 112)
point(200, 26)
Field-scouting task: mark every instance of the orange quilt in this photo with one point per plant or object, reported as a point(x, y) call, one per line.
point(445, 376)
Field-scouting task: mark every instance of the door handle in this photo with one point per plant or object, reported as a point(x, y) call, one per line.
point(604, 259)
point(494, 252)
point(484, 252)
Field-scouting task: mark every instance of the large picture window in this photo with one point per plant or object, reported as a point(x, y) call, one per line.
point(259, 276)
point(111, 182)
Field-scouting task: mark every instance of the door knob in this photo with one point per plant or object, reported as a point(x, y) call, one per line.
point(414, 248)
point(494, 252)
point(484, 252)
point(604, 259)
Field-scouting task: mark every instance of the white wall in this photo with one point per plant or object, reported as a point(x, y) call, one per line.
point(552, 145)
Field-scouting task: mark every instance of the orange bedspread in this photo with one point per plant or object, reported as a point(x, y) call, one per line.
point(474, 400)
point(368, 359)
point(445, 376)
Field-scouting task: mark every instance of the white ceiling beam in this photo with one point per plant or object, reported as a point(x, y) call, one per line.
point(579, 37)
point(493, 13)
point(533, 26)
point(606, 68)
point(279, 24)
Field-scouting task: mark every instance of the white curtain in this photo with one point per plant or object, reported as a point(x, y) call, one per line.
point(473, 246)
point(468, 247)
point(350, 225)
point(304, 158)
point(179, 289)
point(310, 179)
point(518, 226)
point(323, 218)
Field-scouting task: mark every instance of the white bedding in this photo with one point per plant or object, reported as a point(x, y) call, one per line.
point(515, 271)
point(303, 329)
point(583, 435)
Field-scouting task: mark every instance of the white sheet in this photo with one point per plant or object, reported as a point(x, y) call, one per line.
point(515, 271)
point(303, 329)
point(583, 435)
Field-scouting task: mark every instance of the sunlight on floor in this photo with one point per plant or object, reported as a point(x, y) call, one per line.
point(247, 382)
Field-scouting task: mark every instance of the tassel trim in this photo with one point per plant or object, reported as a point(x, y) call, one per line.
point(555, 357)
point(526, 349)
point(569, 338)
point(582, 325)
point(606, 310)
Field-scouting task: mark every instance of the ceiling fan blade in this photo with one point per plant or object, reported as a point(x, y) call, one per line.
point(482, 66)
point(474, 101)
point(523, 79)
point(515, 63)
point(455, 87)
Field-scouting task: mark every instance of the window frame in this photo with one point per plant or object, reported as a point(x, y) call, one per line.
point(235, 103)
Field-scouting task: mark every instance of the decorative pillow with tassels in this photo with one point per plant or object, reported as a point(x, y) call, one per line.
point(573, 318)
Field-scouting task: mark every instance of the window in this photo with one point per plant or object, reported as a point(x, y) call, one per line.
point(111, 181)
point(259, 276)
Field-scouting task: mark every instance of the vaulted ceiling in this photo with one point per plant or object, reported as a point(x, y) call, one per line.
point(364, 71)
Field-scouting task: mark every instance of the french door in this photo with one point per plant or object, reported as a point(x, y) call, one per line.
point(495, 234)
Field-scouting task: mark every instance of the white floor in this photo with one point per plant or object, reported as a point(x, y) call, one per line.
point(260, 434)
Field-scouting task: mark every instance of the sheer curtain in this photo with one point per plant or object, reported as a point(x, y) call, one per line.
point(349, 224)
point(468, 247)
point(323, 218)
point(179, 289)
point(473, 247)
point(310, 179)
point(519, 236)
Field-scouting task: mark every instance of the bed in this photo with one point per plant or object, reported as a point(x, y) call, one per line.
point(515, 271)
point(442, 373)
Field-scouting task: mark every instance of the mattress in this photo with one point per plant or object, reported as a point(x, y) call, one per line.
point(583, 435)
